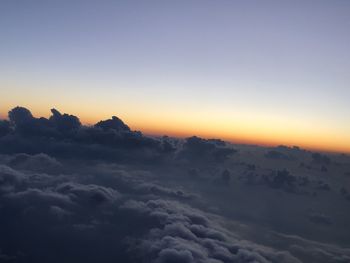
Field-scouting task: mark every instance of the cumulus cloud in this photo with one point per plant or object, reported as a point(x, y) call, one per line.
point(312, 251)
point(172, 231)
point(319, 218)
point(184, 234)
point(91, 194)
point(320, 158)
point(64, 122)
point(113, 124)
point(20, 115)
point(37, 162)
point(4, 127)
point(198, 150)
point(63, 136)
point(9, 179)
point(277, 155)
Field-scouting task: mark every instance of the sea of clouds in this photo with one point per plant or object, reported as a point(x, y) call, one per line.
point(106, 193)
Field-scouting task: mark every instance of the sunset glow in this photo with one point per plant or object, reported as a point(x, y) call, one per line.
point(215, 78)
point(234, 127)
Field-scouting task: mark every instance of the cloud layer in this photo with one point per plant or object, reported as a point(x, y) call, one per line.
point(105, 193)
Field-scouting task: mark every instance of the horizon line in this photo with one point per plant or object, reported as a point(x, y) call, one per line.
point(236, 141)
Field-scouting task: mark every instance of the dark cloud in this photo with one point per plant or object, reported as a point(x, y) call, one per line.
point(198, 150)
point(113, 124)
point(63, 136)
point(5, 258)
point(9, 179)
point(91, 194)
point(277, 155)
point(321, 185)
point(281, 179)
point(184, 233)
point(150, 188)
point(19, 116)
point(226, 176)
point(319, 218)
point(312, 251)
point(320, 158)
point(170, 230)
point(4, 127)
point(38, 162)
point(64, 123)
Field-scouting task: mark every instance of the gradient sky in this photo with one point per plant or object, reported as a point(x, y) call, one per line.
point(267, 72)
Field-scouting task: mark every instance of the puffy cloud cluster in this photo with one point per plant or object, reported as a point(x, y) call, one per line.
point(38, 162)
point(184, 234)
point(281, 179)
point(9, 179)
point(312, 251)
point(320, 158)
point(277, 155)
point(198, 150)
point(62, 135)
point(4, 127)
point(132, 220)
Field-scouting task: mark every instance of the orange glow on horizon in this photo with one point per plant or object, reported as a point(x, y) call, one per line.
point(246, 134)
point(259, 141)
point(263, 132)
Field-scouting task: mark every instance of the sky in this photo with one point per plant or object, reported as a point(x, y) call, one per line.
point(264, 72)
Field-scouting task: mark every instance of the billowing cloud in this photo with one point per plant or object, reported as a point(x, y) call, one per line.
point(37, 162)
point(198, 150)
point(277, 155)
point(63, 136)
